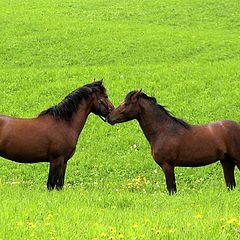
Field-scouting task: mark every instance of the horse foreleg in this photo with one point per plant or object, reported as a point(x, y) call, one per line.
point(56, 173)
point(170, 178)
point(61, 176)
point(228, 170)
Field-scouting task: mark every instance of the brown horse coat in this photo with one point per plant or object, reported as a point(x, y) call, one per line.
point(53, 135)
point(177, 143)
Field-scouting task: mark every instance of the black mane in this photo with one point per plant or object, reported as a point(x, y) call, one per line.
point(70, 104)
point(162, 108)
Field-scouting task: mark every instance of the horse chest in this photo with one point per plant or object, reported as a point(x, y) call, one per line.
point(71, 153)
point(162, 152)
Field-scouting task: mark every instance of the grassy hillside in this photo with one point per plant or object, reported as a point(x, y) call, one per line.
point(185, 53)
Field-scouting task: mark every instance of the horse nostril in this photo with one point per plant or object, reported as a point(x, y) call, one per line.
point(107, 118)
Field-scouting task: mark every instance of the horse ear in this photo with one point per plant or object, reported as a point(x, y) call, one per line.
point(136, 96)
point(100, 81)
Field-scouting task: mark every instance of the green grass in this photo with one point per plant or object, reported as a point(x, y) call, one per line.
point(82, 214)
point(185, 53)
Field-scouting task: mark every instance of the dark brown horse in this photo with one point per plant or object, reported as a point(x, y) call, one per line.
point(53, 135)
point(177, 143)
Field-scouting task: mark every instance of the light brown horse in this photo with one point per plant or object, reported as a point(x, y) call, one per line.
point(177, 143)
point(53, 135)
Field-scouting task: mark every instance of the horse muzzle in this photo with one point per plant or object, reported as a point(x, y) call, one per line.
point(110, 120)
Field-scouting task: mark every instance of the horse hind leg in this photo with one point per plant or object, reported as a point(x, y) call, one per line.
point(228, 165)
point(234, 154)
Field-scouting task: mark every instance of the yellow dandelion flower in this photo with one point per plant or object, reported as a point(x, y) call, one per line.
point(20, 223)
point(147, 221)
point(199, 216)
point(111, 238)
point(32, 225)
point(113, 229)
point(103, 234)
point(172, 230)
point(49, 216)
point(231, 220)
point(157, 232)
point(135, 226)
point(120, 235)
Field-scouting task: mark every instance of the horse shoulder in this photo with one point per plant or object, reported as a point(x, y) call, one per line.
point(63, 141)
point(165, 149)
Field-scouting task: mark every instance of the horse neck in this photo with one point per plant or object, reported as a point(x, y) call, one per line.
point(79, 118)
point(152, 122)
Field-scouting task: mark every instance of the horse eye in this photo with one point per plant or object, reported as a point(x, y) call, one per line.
point(106, 96)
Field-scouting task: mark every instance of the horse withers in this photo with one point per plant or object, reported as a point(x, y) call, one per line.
point(53, 135)
point(175, 142)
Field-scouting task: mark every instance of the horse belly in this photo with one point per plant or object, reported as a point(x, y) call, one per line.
point(24, 151)
point(196, 162)
point(197, 159)
point(26, 157)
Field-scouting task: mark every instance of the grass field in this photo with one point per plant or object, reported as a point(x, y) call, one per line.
point(185, 53)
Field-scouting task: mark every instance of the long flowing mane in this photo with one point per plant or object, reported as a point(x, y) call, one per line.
point(70, 104)
point(161, 108)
